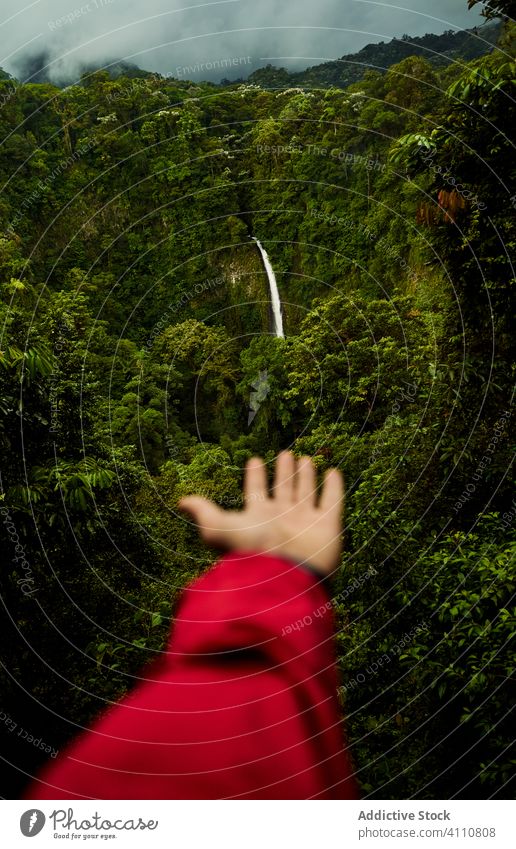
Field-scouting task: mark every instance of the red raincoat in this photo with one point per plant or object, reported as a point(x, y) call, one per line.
point(243, 703)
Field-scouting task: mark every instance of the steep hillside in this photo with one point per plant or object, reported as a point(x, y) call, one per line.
point(439, 50)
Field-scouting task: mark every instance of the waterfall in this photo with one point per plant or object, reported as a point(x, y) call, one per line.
point(277, 318)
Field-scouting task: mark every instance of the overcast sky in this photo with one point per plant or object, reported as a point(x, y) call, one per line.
point(182, 37)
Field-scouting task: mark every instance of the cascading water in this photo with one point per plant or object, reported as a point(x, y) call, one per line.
point(277, 318)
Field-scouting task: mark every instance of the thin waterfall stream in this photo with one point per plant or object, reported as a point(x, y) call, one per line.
point(277, 318)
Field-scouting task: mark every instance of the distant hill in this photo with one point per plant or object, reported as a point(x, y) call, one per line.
point(440, 50)
point(39, 68)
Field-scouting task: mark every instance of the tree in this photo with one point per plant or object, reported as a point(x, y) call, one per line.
point(494, 8)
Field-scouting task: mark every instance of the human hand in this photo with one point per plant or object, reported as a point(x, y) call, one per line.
point(288, 521)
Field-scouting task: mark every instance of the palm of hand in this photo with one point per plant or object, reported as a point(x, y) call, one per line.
point(287, 522)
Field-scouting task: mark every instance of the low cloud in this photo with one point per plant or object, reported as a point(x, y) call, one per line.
point(61, 36)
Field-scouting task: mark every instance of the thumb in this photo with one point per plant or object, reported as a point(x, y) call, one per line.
point(210, 518)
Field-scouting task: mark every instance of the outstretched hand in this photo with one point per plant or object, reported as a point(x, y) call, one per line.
point(289, 521)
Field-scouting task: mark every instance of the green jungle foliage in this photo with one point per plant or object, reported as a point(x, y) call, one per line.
point(135, 324)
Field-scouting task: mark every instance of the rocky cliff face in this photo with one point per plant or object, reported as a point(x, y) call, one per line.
point(244, 296)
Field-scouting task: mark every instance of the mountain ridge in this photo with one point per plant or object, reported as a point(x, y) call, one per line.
point(439, 50)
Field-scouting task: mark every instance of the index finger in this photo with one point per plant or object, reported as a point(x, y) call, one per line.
point(255, 481)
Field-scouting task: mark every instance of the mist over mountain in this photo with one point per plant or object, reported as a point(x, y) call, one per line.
point(192, 40)
point(34, 68)
point(439, 50)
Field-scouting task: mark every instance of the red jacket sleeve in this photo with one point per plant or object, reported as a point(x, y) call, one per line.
point(242, 704)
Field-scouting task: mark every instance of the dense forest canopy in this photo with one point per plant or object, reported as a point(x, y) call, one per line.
point(135, 339)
